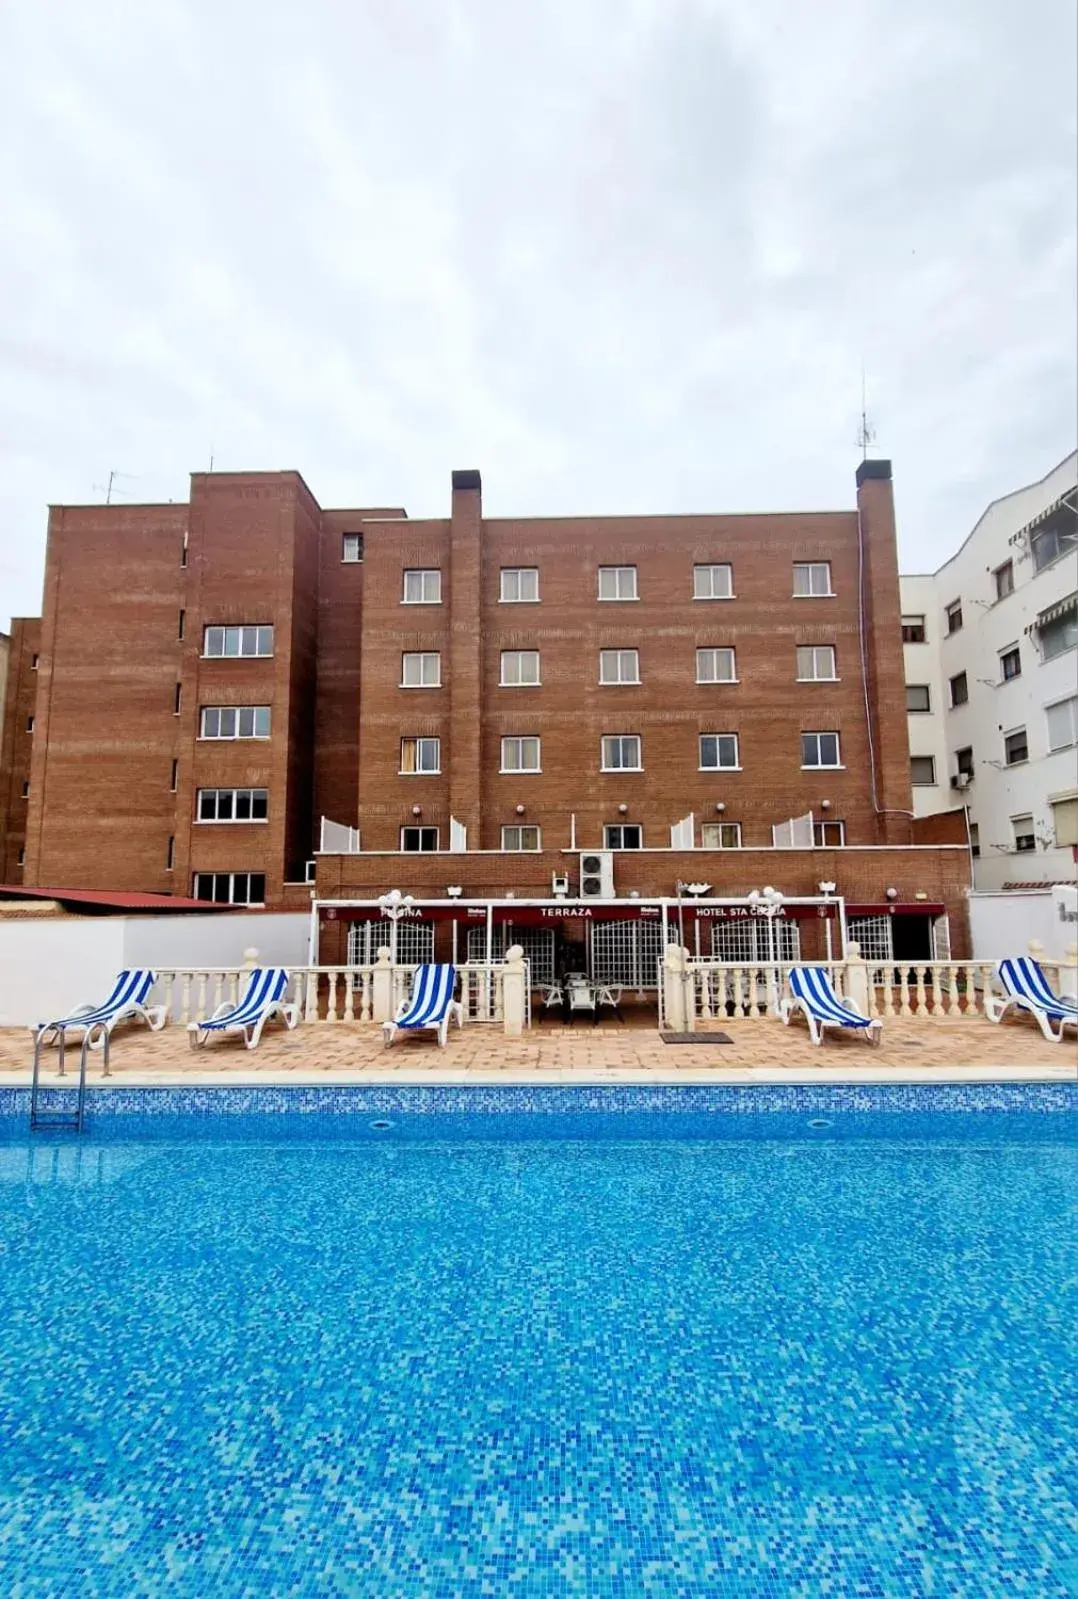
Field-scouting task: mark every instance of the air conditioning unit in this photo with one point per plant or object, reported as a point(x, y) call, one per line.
point(597, 874)
point(559, 886)
point(309, 871)
point(961, 779)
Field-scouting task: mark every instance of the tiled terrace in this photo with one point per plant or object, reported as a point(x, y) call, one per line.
point(912, 1047)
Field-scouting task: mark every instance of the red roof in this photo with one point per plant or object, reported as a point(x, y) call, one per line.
point(109, 899)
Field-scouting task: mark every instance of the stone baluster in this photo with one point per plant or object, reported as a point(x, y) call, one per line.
point(349, 995)
point(920, 1006)
point(200, 987)
point(738, 977)
point(185, 1002)
point(754, 993)
point(937, 992)
point(383, 1005)
point(310, 998)
point(168, 980)
point(365, 995)
point(970, 974)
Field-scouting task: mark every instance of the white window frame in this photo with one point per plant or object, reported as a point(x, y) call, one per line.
point(233, 879)
point(419, 739)
point(250, 639)
point(409, 660)
point(932, 781)
point(606, 746)
point(812, 592)
point(519, 573)
point(429, 585)
point(820, 839)
point(949, 614)
point(709, 655)
point(520, 848)
point(420, 828)
point(1069, 701)
point(231, 821)
point(919, 710)
point(959, 677)
point(351, 549)
point(513, 660)
point(617, 659)
point(1066, 543)
point(815, 650)
point(1029, 832)
point(1008, 567)
point(1010, 733)
point(623, 577)
point(711, 835)
point(1065, 622)
point(703, 579)
point(514, 743)
point(822, 766)
point(236, 713)
point(911, 620)
point(620, 828)
point(719, 766)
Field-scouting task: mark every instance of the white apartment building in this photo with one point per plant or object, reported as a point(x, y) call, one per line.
point(991, 651)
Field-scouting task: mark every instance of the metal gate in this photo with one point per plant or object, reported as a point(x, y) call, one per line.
point(536, 942)
point(874, 936)
point(625, 954)
point(743, 942)
point(415, 942)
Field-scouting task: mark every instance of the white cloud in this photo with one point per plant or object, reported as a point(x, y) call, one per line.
point(621, 257)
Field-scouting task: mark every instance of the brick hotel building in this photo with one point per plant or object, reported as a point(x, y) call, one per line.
point(473, 701)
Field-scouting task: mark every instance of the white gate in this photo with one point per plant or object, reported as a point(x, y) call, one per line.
point(415, 941)
point(874, 936)
point(749, 940)
point(536, 942)
point(626, 954)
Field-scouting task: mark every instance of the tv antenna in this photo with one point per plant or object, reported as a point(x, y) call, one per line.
point(866, 434)
point(109, 488)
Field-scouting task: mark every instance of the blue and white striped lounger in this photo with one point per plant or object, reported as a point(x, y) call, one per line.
point(127, 1002)
point(431, 1004)
point(263, 999)
point(1026, 988)
point(812, 992)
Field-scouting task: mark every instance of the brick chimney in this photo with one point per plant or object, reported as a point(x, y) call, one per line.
point(885, 669)
point(465, 656)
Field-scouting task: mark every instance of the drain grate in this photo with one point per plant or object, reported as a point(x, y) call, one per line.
point(381, 1126)
point(696, 1038)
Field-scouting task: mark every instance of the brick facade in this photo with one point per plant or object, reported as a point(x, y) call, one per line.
point(118, 759)
point(18, 700)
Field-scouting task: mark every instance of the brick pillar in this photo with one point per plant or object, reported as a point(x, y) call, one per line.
point(465, 660)
point(882, 623)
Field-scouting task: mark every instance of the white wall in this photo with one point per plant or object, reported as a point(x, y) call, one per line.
point(49, 966)
point(1003, 924)
point(998, 793)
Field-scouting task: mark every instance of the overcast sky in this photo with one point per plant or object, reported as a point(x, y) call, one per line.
point(621, 255)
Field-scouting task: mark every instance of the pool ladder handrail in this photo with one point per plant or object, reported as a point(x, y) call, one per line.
point(74, 1120)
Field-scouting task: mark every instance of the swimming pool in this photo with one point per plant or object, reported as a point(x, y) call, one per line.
point(538, 1343)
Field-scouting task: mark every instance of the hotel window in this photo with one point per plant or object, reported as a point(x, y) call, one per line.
point(231, 888)
point(521, 754)
point(20, 859)
point(963, 761)
point(1004, 580)
point(816, 663)
point(26, 790)
point(517, 840)
point(913, 630)
point(820, 749)
point(175, 777)
point(235, 721)
point(953, 613)
point(716, 666)
point(1015, 747)
point(619, 666)
point(233, 805)
point(621, 753)
point(718, 752)
point(237, 641)
point(1059, 631)
point(1062, 721)
point(33, 663)
point(713, 582)
point(1010, 664)
point(812, 579)
point(419, 840)
point(1025, 840)
point(623, 835)
point(918, 698)
point(422, 586)
point(829, 835)
point(170, 859)
point(421, 669)
point(520, 669)
point(177, 699)
point(1052, 542)
point(975, 840)
point(420, 757)
point(720, 835)
point(351, 548)
point(959, 686)
point(181, 620)
point(29, 724)
point(519, 585)
point(617, 583)
point(923, 771)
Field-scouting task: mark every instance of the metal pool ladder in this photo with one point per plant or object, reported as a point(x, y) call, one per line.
point(75, 1120)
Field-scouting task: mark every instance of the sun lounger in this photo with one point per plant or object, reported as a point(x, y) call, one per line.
point(263, 1000)
point(813, 993)
point(127, 1002)
point(1026, 987)
point(431, 1004)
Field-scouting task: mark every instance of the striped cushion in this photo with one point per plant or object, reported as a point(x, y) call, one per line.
point(812, 985)
point(265, 987)
point(432, 995)
point(1024, 978)
point(130, 988)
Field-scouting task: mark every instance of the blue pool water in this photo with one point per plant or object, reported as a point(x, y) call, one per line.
point(666, 1352)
